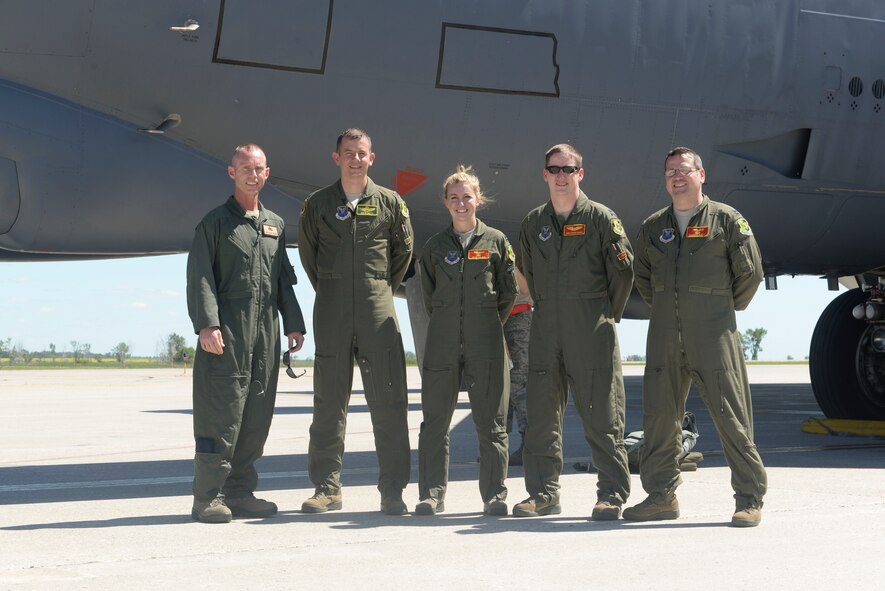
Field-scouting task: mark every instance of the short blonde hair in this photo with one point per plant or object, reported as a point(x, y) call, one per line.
point(246, 149)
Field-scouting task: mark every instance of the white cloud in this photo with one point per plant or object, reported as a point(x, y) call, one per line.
point(46, 309)
point(139, 305)
point(170, 293)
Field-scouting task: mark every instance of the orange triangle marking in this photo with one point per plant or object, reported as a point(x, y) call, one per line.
point(408, 180)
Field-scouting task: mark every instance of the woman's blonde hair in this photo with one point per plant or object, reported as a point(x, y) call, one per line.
point(464, 174)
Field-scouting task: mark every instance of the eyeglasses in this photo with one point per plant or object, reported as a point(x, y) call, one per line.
point(565, 169)
point(671, 172)
point(289, 371)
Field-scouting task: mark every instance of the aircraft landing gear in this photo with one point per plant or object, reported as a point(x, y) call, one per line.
point(847, 361)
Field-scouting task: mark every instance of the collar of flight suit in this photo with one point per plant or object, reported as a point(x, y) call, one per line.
point(705, 202)
point(238, 211)
point(581, 204)
point(479, 231)
point(370, 191)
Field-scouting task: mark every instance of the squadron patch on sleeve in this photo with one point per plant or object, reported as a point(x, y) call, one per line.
point(403, 209)
point(510, 254)
point(618, 227)
point(744, 227)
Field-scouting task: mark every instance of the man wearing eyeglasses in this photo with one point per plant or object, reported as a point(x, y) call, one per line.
point(578, 264)
point(696, 263)
point(239, 280)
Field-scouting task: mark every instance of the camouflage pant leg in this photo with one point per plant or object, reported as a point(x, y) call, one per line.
point(516, 333)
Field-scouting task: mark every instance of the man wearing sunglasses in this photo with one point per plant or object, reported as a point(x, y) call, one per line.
point(696, 263)
point(578, 264)
point(239, 280)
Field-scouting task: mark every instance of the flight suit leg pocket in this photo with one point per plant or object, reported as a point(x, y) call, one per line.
point(729, 397)
point(485, 386)
point(384, 376)
point(657, 397)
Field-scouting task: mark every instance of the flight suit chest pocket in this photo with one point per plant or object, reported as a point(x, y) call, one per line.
point(270, 244)
point(331, 232)
point(659, 263)
point(713, 245)
point(482, 277)
point(708, 261)
point(368, 226)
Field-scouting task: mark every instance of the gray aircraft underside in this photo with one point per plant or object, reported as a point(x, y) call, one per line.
point(117, 119)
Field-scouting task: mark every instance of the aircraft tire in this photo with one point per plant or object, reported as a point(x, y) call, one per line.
point(833, 361)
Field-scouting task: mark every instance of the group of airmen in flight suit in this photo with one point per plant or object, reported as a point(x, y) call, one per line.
point(695, 263)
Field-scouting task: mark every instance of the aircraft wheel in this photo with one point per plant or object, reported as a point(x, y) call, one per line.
point(837, 353)
point(871, 365)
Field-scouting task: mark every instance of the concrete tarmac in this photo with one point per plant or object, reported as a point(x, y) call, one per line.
point(95, 471)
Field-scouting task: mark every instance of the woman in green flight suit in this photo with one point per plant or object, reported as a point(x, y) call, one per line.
point(467, 274)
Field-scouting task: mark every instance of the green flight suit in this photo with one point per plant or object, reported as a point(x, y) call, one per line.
point(355, 261)
point(694, 284)
point(468, 294)
point(580, 275)
point(239, 279)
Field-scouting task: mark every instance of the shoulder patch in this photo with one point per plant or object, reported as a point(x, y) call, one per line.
point(510, 254)
point(618, 227)
point(403, 208)
point(744, 227)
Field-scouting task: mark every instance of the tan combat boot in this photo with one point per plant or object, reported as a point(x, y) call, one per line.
point(653, 509)
point(532, 507)
point(746, 517)
point(214, 511)
point(320, 502)
point(250, 507)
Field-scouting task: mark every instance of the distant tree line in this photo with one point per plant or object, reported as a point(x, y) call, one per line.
point(171, 349)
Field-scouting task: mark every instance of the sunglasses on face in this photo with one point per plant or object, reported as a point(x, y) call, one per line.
point(287, 359)
point(565, 169)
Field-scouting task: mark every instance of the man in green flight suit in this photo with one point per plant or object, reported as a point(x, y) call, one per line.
point(577, 262)
point(239, 279)
point(355, 242)
point(696, 263)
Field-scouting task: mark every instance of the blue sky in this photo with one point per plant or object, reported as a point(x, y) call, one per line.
point(140, 301)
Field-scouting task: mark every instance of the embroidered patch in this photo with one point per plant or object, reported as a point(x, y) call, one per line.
point(343, 213)
point(744, 227)
point(618, 227)
point(270, 230)
point(478, 255)
point(545, 234)
point(510, 254)
point(697, 231)
point(452, 257)
point(668, 235)
point(403, 209)
point(365, 210)
point(574, 230)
